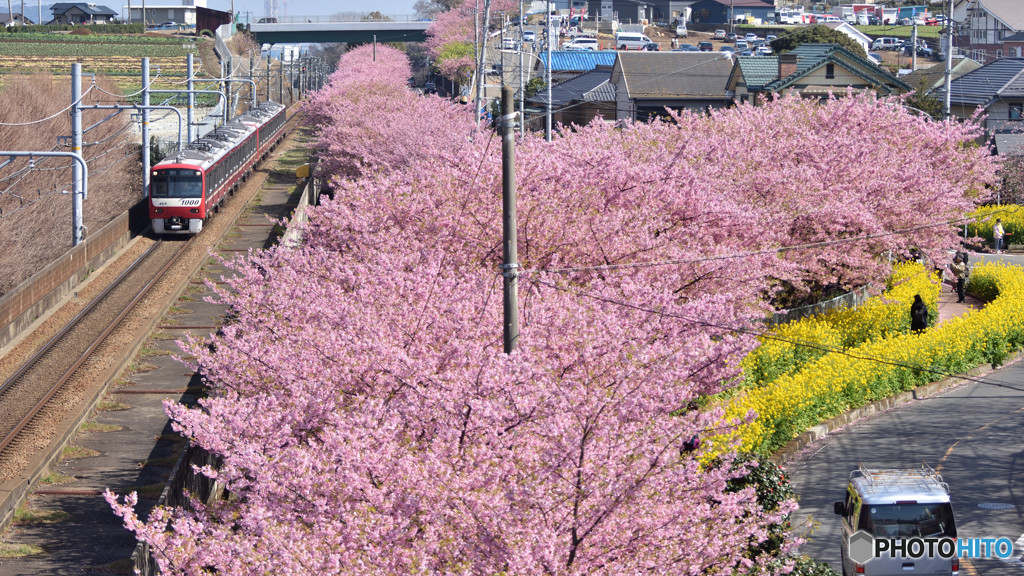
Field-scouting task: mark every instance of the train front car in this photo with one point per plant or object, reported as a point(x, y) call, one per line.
point(176, 194)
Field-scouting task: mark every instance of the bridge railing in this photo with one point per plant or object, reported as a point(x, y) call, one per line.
point(344, 17)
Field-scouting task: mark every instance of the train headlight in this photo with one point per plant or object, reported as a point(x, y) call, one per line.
point(194, 211)
point(158, 210)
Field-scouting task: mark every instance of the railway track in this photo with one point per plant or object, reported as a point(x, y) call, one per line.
point(37, 387)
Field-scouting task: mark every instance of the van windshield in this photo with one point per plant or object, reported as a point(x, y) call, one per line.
point(910, 520)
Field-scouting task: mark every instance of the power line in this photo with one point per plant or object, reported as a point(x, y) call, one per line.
point(770, 336)
point(735, 256)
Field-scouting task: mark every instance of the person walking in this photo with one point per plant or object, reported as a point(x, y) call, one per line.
point(998, 234)
point(959, 270)
point(918, 315)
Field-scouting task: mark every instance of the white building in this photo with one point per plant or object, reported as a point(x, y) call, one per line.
point(184, 12)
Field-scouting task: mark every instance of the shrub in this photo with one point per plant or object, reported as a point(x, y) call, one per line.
point(885, 366)
point(798, 343)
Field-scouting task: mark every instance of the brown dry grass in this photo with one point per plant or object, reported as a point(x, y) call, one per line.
point(35, 216)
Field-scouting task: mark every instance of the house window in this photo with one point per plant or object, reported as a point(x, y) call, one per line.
point(830, 70)
point(1016, 111)
point(999, 53)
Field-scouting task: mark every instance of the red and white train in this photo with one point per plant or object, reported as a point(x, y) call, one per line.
point(187, 188)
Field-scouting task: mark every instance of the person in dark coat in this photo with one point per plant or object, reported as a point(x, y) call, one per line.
point(959, 269)
point(918, 315)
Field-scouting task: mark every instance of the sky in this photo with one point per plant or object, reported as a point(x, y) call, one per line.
point(321, 8)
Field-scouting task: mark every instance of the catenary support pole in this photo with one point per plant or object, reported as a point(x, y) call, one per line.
point(191, 127)
point(228, 102)
point(77, 189)
point(145, 127)
point(252, 77)
point(510, 268)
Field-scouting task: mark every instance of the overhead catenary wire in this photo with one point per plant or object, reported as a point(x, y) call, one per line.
point(56, 114)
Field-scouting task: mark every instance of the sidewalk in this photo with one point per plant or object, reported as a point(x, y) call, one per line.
point(950, 308)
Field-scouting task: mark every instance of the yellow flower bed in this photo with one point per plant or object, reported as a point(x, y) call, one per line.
point(884, 366)
point(985, 218)
point(782, 350)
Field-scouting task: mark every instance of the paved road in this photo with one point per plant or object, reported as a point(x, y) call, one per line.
point(971, 434)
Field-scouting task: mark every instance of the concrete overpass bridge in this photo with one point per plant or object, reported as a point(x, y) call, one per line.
point(297, 31)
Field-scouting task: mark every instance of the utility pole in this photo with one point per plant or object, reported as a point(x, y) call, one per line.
point(732, 16)
point(913, 46)
point(510, 267)
point(522, 84)
point(547, 121)
point(949, 61)
point(483, 57)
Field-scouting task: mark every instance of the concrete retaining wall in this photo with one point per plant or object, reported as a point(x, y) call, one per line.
point(48, 287)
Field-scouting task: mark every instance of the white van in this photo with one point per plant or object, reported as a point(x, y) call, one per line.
point(885, 43)
point(895, 504)
point(631, 40)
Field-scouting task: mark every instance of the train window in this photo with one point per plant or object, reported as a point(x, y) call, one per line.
point(176, 183)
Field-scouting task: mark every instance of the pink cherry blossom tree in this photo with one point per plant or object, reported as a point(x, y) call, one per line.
point(367, 417)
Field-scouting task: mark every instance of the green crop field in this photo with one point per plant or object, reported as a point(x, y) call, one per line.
point(107, 54)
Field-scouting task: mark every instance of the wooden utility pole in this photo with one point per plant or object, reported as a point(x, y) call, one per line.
point(510, 267)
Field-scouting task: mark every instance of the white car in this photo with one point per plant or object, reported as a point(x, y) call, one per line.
point(750, 37)
point(582, 44)
point(529, 36)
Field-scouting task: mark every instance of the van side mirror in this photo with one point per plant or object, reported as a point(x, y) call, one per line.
point(838, 508)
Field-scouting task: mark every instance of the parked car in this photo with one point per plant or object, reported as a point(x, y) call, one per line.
point(529, 36)
point(681, 31)
point(742, 45)
point(720, 34)
point(728, 49)
point(885, 43)
point(746, 53)
point(650, 47)
point(630, 40)
point(769, 38)
point(922, 49)
point(705, 46)
point(764, 50)
point(730, 37)
point(750, 37)
point(509, 44)
point(582, 43)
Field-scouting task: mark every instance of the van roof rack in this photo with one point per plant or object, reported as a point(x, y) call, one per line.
point(902, 477)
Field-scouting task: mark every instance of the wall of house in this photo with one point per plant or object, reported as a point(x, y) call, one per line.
point(842, 79)
point(984, 43)
point(623, 105)
point(1003, 114)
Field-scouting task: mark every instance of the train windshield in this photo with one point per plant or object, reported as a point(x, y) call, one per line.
point(176, 183)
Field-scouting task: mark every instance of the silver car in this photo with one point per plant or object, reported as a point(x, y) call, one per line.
point(896, 505)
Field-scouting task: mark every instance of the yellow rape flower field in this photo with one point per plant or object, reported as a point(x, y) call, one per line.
point(868, 353)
